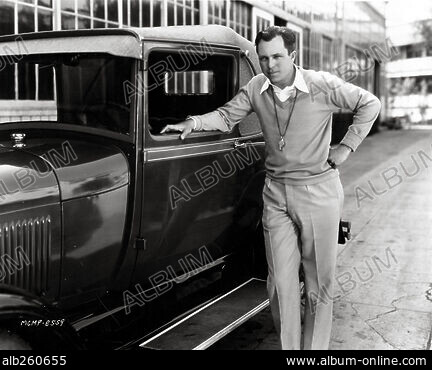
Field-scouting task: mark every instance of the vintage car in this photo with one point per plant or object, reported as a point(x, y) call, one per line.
point(110, 232)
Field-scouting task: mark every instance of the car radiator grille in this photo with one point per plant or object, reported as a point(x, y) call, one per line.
point(25, 248)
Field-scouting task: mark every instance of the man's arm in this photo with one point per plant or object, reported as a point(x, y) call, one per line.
point(222, 119)
point(364, 105)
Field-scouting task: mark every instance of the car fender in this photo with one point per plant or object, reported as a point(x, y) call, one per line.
point(43, 326)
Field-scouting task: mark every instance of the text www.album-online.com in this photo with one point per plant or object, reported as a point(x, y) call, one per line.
point(367, 360)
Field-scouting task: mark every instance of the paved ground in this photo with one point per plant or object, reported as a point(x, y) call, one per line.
point(384, 292)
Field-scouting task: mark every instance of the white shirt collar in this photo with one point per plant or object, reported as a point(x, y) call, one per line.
point(298, 83)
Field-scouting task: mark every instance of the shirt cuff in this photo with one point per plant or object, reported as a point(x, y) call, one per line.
point(351, 140)
point(197, 123)
point(344, 144)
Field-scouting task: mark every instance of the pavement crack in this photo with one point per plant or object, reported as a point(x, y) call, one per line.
point(372, 328)
point(393, 302)
point(429, 293)
point(381, 315)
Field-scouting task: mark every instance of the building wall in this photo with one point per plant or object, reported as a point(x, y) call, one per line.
point(409, 75)
point(330, 34)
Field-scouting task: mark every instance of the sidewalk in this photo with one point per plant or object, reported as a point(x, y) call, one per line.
point(383, 296)
point(385, 272)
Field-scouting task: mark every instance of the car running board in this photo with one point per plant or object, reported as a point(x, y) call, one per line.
point(213, 321)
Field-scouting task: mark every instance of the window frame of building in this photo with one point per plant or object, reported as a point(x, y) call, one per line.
point(315, 51)
point(93, 20)
point(223, 16)
point(327, 53)
point(258, 14)
point(306, 48)
point(355, 57)
point(36, 8)
point(238, 11)
point(299, 42)
point(415, 51)
point(192, 10)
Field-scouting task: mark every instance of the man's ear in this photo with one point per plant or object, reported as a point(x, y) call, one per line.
point(293, 55)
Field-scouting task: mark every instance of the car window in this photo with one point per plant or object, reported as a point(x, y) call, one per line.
point(84, 90)
point(181, 84)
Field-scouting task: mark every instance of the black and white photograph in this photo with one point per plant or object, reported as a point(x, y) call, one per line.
point(216, 175)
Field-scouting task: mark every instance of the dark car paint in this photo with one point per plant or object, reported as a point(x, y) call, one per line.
point(30, 224)
point(142, 234)
point(82, 169)
point(22, 312)
point(22, 185)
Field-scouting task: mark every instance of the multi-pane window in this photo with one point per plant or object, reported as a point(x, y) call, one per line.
point(75, 14)
point(360, 70)
point(182, 12)
point(44, 20)
point(414, 51)
point(261, 20)
point(105, 14)
point(410, 85)
point(350, 68)
point(85, 14)
point(261, 24)
point(26, 82)
point(241, 18)
point(7, 24)
point(296, 31)
point(7, 82)
point(299, 8)
point(142, 13)
point(315, 51)
point(306, 48)
point(217, 12)
point(26, 21)
point(327, 48)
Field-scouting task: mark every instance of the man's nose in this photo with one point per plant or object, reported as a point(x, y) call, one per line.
point(272, 63)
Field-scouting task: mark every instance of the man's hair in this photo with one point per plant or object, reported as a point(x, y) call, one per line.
point(288, 36)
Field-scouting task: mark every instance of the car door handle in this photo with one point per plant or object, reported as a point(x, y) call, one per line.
point(238, 144)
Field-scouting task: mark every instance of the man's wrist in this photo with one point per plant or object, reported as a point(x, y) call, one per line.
point(347, 147)
point(195, 121)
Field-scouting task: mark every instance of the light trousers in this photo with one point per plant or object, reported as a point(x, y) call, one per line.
point(301, 224)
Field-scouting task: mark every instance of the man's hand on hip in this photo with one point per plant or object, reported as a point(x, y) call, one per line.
point(338, 155)
point(185, 127)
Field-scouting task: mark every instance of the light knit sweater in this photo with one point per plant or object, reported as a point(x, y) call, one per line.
point(303, 160)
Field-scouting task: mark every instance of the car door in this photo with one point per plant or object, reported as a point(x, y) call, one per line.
point(197, 192)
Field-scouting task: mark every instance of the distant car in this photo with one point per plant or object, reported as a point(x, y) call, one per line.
point(108, 229)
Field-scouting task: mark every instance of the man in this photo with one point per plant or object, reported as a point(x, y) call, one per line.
point(303, 195)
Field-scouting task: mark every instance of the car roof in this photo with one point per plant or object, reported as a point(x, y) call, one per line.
point(117, 41)
point(214, 34)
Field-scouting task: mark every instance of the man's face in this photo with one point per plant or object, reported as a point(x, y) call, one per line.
point(276, 63)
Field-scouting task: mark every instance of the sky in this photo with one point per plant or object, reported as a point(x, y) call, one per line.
point(406, 11)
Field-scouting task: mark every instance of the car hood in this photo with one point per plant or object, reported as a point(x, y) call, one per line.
point(25, 181)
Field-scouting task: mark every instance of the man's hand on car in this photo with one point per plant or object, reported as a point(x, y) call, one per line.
point(185, 127)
